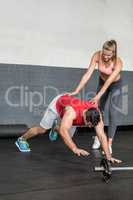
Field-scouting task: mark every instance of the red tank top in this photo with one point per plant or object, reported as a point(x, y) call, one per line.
point(78, 105)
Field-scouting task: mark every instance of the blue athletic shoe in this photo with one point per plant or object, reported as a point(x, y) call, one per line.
point(53, 135)
point(22, 145)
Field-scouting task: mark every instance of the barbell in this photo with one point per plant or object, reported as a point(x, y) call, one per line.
point(101, 169)
point(107, 175)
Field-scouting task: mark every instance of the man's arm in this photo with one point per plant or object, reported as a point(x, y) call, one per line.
point(66, 124)
point(102, 138)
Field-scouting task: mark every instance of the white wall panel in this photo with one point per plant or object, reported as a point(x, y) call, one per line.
point(63, 32)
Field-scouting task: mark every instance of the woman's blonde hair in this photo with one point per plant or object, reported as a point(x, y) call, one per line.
point(111, 45)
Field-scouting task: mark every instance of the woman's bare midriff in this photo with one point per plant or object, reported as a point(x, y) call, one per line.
point(104, 77)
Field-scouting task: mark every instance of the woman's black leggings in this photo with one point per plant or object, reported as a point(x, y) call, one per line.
point(114, 95)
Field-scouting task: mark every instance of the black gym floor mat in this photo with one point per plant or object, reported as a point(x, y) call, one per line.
point(52, 172)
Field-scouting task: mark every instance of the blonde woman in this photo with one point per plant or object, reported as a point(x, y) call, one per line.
point(109, 87)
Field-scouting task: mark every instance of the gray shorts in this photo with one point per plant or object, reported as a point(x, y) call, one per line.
point(51, 115)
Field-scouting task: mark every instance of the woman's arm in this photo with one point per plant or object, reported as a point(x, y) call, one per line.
point(88, 74)
point(111, 78)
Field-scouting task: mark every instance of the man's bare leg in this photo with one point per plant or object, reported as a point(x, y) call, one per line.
point(32, 132)
point(21, 142)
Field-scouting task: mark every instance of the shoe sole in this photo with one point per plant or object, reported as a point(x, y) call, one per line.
point(95, 148)
point(21, 149)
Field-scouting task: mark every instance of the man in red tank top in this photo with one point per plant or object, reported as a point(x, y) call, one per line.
point(77, 105)
point(71, 111)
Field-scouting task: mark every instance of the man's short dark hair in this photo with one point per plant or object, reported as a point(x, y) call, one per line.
point(93, 116)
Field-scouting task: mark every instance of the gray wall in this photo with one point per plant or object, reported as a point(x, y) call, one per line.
point(63, 32)
point(27, 90)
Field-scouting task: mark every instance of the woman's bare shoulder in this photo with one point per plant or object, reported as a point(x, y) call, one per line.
point(96, 55)
point(119, 60)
